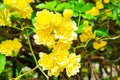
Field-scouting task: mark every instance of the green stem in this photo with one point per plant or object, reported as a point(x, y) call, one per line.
point(15, 28)
point(30, 46)
point(78, 47)
point(79, 19)
point(25, 73)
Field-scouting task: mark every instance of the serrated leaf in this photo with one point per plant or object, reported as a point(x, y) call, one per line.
point(2, 62)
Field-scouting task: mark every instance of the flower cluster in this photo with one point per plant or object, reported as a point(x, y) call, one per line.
point(98, 5)
point(8, 47)
point(50, 27)
point(5, 17)
point(21, 6)
point(57, 32)
point(60, 59)
point(88, 34)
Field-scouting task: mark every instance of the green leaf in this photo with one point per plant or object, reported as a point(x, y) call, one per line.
point(3, 6)
point(79, 4)
point(51, 5)
point(81, 28)
point(2, 62)
point(101, 33)
point(41, 6)
point(86, 7)
point(62, 6)
point(87, 16)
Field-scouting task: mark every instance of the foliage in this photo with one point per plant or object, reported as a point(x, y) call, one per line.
point(57, 39)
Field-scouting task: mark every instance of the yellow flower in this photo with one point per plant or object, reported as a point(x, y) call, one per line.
point(57, 62)
point(43, 19)
point(73, 65)
point(54, 63)
point(61, 46)
point(56, 19)
point(87, 34)
point(106, 1)
point(45, 37)
point(7, 47)
point(59, 59)
point(5, 17)
point(65, 31)
point(99, 4)
point(21, 6)
point(99, 45)
point(51, 27)
point(46, 61)
point(67, 13)
point(94, 11)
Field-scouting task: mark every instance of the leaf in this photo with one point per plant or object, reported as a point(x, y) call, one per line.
point(41, 6)
point(2, 62)
point(51, 5)
point(79, 4)
point(87, 16)
point(101, 33)
point(86, 7)
point(81, 28)
point(62, 6)
point(48, 5)
point(3, 6)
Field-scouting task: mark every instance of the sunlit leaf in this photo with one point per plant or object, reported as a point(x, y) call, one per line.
point(2, 62)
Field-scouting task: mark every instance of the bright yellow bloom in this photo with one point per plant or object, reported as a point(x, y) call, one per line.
point(94, 11)
point(67, 13)
point(65, 31)
point(106, 1)
point(99, 45)
point(56, 19)
point(5, 17)
point(99, 4)
point(57, 62)
point(47, 40)
point(50, 27)
point(54, 63)
point(73, 65)
point(43, 19)
point(59, 59)
point(21, 6)
point(7, 47)
point(56, 32)
point(87, 34)
point(46, 61)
